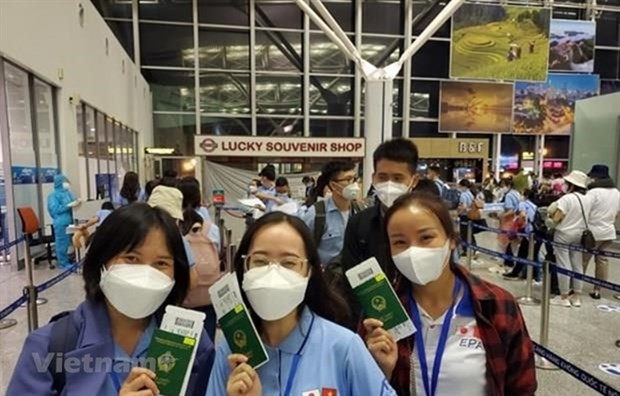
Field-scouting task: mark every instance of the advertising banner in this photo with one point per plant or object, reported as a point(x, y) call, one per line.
point(500, 42)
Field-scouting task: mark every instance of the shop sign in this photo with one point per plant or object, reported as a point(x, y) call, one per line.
point(254, 146)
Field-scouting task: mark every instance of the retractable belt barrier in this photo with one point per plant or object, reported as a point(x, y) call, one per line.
point(576, 248)
point(575, 371)
point(547, 359)
point(11, 244)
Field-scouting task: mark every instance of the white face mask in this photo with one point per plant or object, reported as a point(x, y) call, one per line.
point(66, 185)
point(274, 291)
point(388, 192)
point(351, 192)
point(422, 265)
point(135, 290)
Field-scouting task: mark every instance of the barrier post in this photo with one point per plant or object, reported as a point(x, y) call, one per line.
point(541, 362)
point(470, 239)
point(28, 262)
point(33, 315)
point(528, 299)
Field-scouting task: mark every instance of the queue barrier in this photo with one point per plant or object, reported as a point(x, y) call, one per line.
point(576, 248)
point(547, 359)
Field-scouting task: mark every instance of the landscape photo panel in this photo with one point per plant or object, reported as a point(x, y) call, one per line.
point(571, 46)
point(500, 42)
point(475, 107)
point(549, 108)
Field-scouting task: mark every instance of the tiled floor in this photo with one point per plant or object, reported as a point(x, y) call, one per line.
point(584, 336)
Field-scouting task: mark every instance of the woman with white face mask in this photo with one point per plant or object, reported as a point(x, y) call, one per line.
point(135, 266)
point(471, 339)
point(291, 305)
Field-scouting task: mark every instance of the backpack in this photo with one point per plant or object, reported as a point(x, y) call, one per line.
point(207, 265)
point(451, 196)
point(320, 222)
point(63, 339)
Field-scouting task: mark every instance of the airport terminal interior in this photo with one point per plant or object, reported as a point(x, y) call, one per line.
point(220, 113)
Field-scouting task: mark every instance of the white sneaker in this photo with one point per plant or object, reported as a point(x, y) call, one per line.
point(562, 302)
point(575, 301)
point(497, 269)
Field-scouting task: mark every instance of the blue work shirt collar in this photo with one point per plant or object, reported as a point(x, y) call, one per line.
point(97, 328)
point(293, 342)
point(330, 205)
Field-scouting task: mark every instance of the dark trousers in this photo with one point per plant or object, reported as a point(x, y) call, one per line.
point(524, 247)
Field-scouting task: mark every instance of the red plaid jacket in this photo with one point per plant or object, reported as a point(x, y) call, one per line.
point(509, 351)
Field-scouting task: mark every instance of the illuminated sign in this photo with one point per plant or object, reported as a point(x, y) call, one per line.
point(471, 147)
point(527, 155)
point(159, 150)
point(254, 146)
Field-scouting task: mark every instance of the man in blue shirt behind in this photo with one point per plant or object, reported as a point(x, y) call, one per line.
point(267, 190)
point(341, 178)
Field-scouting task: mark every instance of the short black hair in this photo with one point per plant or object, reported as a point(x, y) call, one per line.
point(150, 186)
point(190, 187)
point(281, 181)
point(322, 300)
point(529, 194)
point(465, 183)
point(124, 230)
point(435, 169)
point(268, 172)
point(427, 186)
point(107, 205)
point(331, 169)
point(190, 217)
point(397, 150)
point(307, 179)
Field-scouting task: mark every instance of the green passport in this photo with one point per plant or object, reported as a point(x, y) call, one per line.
point(170, 355)
point(242, 337)
point(380, 302)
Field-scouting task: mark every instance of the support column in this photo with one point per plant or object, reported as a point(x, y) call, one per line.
point(378, 124)
point(357, 91)
point(539, 156)
point(497, 151)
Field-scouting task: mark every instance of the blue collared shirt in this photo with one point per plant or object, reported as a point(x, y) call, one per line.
point(269, 204)
point(333, 358)
point(466, 199)
point(335, 226)
point(512, 200)
point(529, 209)
point(123, 362)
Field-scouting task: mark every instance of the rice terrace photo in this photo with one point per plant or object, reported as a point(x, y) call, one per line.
point(571, 47)
point(500, 42)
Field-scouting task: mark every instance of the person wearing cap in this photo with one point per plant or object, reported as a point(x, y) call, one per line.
point(571, 218)
point(170, 199)
point(605, 200)
point(267, 190)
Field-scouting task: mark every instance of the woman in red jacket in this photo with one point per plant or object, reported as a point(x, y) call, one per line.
point(471, 338)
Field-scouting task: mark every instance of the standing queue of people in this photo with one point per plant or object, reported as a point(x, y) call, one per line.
point(470, 335)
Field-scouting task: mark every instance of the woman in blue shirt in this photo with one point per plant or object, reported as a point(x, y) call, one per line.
point(135, 267)
point(292, 307)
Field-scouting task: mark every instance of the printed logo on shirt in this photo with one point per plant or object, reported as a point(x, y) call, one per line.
point(315, 392)
point(470, 337)
point(329, 392)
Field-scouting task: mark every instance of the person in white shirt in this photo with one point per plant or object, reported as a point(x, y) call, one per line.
point(605, 208)
point(571, 219)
